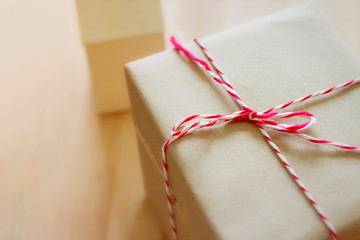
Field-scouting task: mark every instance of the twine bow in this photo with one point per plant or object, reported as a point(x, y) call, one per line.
point(263, 120)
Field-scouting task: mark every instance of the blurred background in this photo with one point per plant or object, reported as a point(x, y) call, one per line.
point(69, 167)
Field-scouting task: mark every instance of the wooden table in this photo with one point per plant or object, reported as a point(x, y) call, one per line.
point(66, 173)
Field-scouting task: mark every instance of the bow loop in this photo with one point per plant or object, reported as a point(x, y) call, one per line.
point(264, 119)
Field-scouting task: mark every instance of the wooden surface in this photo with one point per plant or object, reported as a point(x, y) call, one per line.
point(130, 217)
point(65, 173)
point(53, 180)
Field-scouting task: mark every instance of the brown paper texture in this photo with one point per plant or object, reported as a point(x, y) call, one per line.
point(227, 181)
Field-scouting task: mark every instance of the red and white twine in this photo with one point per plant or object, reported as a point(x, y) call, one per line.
point(264, 121)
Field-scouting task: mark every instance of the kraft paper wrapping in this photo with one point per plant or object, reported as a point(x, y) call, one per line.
point(227, 181)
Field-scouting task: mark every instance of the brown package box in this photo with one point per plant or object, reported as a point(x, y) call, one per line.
point(227, 181)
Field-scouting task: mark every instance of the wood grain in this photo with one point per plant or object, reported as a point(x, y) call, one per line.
point(131, 217)
point(53, 179)
point(64, 175)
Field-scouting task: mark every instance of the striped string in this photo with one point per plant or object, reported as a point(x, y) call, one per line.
point(265, 121)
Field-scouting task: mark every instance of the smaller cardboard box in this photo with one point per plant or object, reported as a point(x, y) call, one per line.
point(114, 33)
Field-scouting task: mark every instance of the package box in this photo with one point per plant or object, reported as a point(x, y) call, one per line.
point(116, 32)
point(227, 181)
